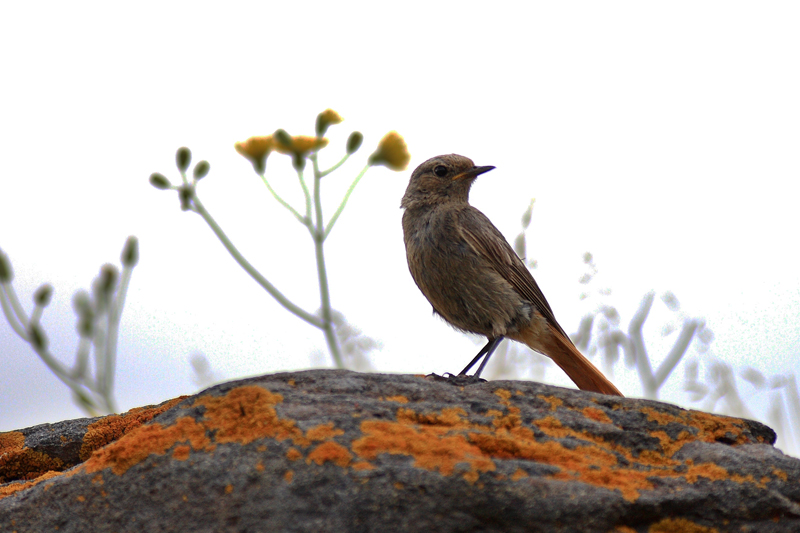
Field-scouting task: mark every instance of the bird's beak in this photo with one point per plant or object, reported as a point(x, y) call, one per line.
point(473, 172)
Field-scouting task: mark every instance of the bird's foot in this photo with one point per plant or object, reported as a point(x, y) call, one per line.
point(462, 380)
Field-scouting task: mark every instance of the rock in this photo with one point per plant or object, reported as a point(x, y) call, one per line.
point(333, 450)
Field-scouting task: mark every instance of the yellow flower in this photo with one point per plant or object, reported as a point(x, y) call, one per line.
point(301, 145)
point(392, 152)
point(256, 150)
point(326, 119)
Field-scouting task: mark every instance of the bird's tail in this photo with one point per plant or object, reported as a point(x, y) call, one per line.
point(560, 349)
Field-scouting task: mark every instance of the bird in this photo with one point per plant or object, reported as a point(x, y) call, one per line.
point(473, 278)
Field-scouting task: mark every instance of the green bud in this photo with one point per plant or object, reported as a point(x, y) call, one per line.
point(85, 327)
point(322, 125)
point(185, 193)
point(354, 142)
point(182, 158)
point(282, 137)
point(37, 338)
point(260, 165)
point(82, 304)
point(159, 181)
point(298, 161)
point(43, 295)
point(201, 170)
point(6, 272)
point(107, 280)
point(130, 252)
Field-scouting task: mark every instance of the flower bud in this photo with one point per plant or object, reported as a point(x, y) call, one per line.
point(298, 161)
point(256, 150)
point(43, 295)
point(6, 272)
point(37, 338)
point(130, 252)
point(107, 280)
point(392, 152)
point(85, 327)
point(159, 181)
point(82, 304)
point(354, 142)
point(182, 158)
point(283, 138)
point(325, 120)
point(201, 170)
point(185, 194)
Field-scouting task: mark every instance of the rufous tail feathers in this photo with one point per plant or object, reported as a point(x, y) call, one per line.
point(561, 350)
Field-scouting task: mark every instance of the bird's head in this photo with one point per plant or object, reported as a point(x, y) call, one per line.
point(444, 178)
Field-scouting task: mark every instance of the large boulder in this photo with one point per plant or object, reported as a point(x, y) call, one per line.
point(333, 450)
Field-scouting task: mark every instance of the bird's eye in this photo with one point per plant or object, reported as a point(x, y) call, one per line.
point(440, 171)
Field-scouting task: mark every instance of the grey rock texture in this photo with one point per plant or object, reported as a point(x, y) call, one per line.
point(332, 450)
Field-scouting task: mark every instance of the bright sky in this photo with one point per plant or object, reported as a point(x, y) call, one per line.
point(662, 137)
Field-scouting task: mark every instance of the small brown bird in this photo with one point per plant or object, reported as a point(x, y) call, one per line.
point(473, 278)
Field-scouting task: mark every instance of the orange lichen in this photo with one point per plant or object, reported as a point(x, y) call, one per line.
point(330, 452)
point(679, 525)
point(594, 413)
point(246, 414)
point(780, 474)
point(398, 399)
point(146, 440)
point(293, 454)
point(518, 474)
point(181, 453)
point(19, 462)
point(323, 432)
point(112, 427)
point(11, 488)
point(710, 427)
point(449, 417)
point(554, 402)
point(363, 465)
point(288, 476)
point(228, 488)
point(260, 466)
point(503, 394)
point(430, 445)
point(11, 441)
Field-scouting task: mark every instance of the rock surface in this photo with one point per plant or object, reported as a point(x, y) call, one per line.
point(331, 450)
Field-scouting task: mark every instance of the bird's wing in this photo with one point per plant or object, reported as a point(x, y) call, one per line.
point(487, 241)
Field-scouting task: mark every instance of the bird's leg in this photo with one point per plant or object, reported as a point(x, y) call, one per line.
point(487, 350)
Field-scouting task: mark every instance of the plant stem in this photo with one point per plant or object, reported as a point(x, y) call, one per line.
point(637, 339)
point(334, 167)
point(307, 195)
point(325, 299)
point(339, 210)
point(5, 302)
point(306, 221)
point(255, 274)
